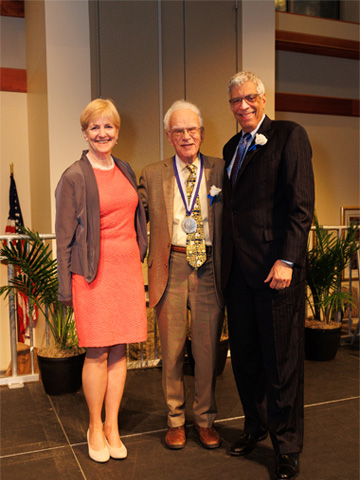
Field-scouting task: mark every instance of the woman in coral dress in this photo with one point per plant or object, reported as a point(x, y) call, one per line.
point(101, 241)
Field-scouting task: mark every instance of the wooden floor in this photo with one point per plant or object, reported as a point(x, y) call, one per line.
point(44, 438)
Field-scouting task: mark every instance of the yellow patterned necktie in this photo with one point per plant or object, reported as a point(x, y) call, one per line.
point(195, 242)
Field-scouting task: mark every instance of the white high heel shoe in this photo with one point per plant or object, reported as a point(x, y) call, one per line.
point(100, 456)
point(118, 453)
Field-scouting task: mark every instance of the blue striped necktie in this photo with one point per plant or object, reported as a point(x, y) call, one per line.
point(239, 157)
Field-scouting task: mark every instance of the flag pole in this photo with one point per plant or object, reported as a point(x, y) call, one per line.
point(13, 320)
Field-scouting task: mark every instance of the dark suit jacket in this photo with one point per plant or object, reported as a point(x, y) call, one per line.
point(156, 190)
point(77, 223)
point(268, 214)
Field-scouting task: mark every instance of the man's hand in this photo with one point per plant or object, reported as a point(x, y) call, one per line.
point(280, 275)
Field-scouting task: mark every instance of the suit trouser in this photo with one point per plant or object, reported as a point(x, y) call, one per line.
point(194, 290)
point(266, 330)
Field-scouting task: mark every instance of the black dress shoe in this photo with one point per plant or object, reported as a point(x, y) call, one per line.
point(246, 444)
point(287, 466)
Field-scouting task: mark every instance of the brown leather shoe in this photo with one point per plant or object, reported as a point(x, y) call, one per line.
point(209, 437)
point(175, 438)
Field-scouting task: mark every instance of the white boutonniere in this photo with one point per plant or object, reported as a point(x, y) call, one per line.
point(260, 140)
point(214, 192)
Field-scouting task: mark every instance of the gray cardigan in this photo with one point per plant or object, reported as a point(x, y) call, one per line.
point(77, 224)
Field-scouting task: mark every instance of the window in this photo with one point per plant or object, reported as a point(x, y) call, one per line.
point(319, 8)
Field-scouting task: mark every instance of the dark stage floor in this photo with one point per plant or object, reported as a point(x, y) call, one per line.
point(44, 437)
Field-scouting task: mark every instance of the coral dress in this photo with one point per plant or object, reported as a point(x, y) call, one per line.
point(111, 309)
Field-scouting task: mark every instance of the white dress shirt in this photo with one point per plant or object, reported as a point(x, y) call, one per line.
point(179, 236)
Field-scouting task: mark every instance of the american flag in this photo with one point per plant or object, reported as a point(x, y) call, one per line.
point(14, 223)
point(15, 220)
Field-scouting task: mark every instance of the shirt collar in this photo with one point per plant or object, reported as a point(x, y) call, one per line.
point(257, 127)
point(183, 165)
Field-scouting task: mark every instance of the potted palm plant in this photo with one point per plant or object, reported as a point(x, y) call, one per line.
point(60, 363)
point(327, 258)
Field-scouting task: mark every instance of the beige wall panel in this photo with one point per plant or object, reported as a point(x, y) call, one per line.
point(317, 75)
point(129, 75)
point(335, 144)
point(258, 45)
point(210, 62)
point(12, 42)
point(172, 54)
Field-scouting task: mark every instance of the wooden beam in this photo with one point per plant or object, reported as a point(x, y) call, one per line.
point(291, 102)
point(317, 45)
point(13, 80)
point(12, 8)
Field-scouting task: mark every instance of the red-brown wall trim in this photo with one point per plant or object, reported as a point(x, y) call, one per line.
point(12, 8)
point(291, 102)
point(317, 45)
point(13, 80)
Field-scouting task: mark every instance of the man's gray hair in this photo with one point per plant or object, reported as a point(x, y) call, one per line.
point(242, 77)
point(180, 105)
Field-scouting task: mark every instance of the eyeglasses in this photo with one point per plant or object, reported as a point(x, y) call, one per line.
point(180, 132)
point(234, 102)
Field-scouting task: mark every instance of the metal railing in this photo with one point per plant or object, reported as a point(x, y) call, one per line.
point(16, 380)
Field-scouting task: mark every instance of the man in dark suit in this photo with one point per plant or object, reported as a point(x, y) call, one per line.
point(184, 268)
point(268, 210)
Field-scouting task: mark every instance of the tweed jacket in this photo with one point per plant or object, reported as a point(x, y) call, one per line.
point(156, 190)
point(77, 223)
point(268, 213)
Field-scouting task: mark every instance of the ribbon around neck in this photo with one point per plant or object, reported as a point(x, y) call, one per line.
point(180, 182)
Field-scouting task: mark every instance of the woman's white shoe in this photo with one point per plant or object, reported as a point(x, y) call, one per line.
point(118, 453)
point(100, 456)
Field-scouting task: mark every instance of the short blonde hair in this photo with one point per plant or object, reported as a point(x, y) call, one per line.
point(100, 108)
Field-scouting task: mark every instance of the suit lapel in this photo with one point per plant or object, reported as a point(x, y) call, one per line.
point(168, 177)
point(210, 180)
point(264, 129)
point(231, 149)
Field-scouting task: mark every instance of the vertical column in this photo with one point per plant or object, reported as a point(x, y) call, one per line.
point(257, 45)
point(58, 65)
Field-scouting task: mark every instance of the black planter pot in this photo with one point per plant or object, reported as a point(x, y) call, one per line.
point(321, 344)
point(222, 356)
point(61, 375)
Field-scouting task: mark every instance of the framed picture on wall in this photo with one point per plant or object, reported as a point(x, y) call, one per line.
point(351, 215)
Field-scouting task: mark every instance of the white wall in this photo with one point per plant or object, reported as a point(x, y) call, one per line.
point(13, 148)
point(336, 153)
